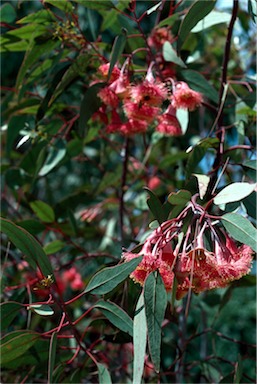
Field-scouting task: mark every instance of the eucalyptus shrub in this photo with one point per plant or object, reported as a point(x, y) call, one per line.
point(128, 192)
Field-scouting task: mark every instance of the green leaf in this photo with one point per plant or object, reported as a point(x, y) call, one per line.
point(55, 155)
point(213, 18)
point(8, 14)
point(110, 18)
point(43, 211)
point(52, 355)
point(155, 206)
point(96, 4)
point(63, 5)
point(103, 374)
point(250, 164)
point(107, 279)
point(139, 340)
point(198, 83)
point(14, 126)
point(32, 226)
point(194, 158)
point(53, 247)
point(238, 370)
point(155, 299)
point(28, 245)
point(250, 205)
point(6, 45)
point(181, 197)
point(170, 55)
point(240, 229)
point(44, 16)
point(195, 13)
point(32, 56)
point(16, 343)
point(168, 21)
point(89, 105)
point(9, 311)
point(116, 316)
point(48, 99)
point(78, 68)
point(27, 32)
point(117, 49)
point(252, 9)
point(234, 192)
point(41, 309)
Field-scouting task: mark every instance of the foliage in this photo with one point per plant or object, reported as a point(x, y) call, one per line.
point(128, 128)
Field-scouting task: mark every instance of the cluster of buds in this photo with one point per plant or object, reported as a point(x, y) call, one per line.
point(201, 257)
point(69, 278)
point(130, 108)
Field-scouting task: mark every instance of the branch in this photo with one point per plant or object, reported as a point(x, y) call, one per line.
point(122, 188)
point(220, 134)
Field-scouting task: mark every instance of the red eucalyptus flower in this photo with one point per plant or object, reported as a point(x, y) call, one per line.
point(203, 258)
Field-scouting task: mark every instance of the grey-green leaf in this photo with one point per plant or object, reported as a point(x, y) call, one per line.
point(116, 316)
point(55, 155)
point(117, 49)
point(234, 192)
point(196, 12)
point(107, 279)
point(52, 355)
point(155, 299)
point(240, 229)
point(139, 340)
point(103, 374)
point(27, 244)
point(170, 55)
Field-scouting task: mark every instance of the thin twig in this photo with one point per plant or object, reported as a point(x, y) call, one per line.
point(122, 189)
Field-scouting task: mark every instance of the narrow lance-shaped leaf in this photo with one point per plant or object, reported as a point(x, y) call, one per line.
point(103, 374)
point(32, 56)
point(240, 229)
point(197, 82)
point(55, 156)
point(89, 105)
point(155, 206)
point(139, 340)
point(52, 355)
point(116, 316)
point(9, 311)
point(41, 309)
point(213, 18)
point(117, 49)
point(155, 299)
point(107, 279)
point(64, 6)
point(28, 245)
point(16, 343)
point(195, 13)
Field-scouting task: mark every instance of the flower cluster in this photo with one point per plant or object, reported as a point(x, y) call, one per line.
point(202, 258)
point(129, 108)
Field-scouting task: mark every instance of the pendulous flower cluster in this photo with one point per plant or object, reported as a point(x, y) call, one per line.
point(203, 258)
point(129, 108)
